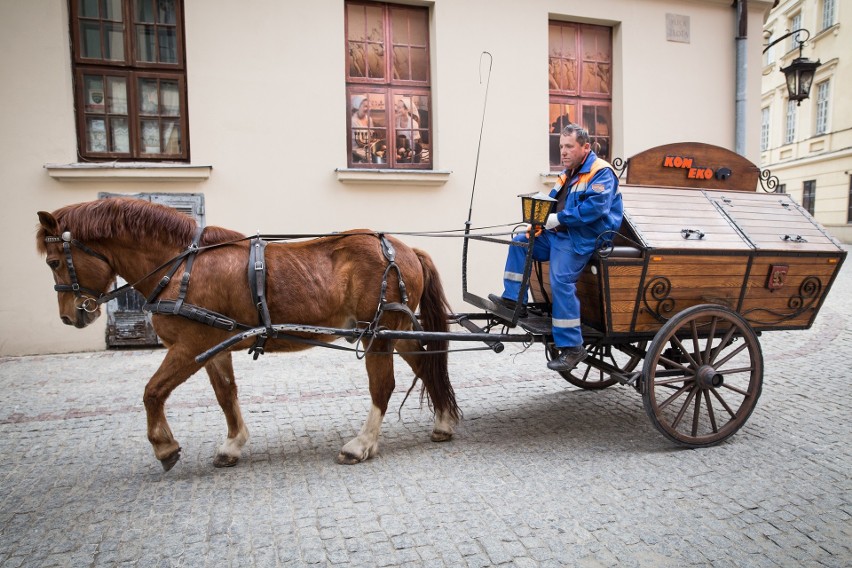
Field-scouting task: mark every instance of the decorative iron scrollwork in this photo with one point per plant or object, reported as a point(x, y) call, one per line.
point(768, 182)
point(605, 243)
point(808, 295)
point(619, 165)
point(657, 291)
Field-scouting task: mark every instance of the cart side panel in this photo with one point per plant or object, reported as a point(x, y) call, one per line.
point(621, 279)
point(785, 291)
point(675, 281)
point(589, 292)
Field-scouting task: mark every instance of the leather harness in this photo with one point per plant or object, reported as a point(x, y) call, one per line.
point(257, 285)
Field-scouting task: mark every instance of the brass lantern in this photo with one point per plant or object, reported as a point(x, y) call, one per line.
point(536, 207)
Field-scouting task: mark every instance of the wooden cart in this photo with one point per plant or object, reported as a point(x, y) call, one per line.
point(702, 265)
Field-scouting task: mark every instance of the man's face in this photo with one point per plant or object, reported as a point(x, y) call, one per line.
point(573, 154)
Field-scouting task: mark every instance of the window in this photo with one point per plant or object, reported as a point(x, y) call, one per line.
point(130, 79)
point(782, 188)
point(809, 195)
point(580, 79)
point(849, 203)
point(790, 126)
point(828, 13)
point(388, 88)
point(770, 53)
point(795, 24)
point(764, 129)
point(822, 108)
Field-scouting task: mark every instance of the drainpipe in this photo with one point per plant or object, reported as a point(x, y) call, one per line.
point(740, 111)
point(742, 37)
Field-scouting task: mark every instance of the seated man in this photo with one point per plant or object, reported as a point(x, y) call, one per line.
point(588, 204)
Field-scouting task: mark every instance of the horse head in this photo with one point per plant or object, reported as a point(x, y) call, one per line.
point(81, 275)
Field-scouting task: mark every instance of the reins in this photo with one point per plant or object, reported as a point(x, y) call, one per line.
point(257, 278)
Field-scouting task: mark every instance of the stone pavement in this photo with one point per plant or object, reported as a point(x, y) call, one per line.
point(540, 473)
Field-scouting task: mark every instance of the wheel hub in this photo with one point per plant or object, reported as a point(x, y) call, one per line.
point(708, 378)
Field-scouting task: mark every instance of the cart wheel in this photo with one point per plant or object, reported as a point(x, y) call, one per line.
point(702, 375)
point(587, 376)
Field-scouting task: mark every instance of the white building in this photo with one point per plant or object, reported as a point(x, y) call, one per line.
point(808, 146)
point(250, 105)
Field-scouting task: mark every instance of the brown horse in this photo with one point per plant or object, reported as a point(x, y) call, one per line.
point(332, 281)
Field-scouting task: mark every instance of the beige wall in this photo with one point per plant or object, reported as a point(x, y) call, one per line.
point(267, 112)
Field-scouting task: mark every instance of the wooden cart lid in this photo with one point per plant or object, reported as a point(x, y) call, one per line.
point(712, 220)
point(670, 218)
point(774, 222)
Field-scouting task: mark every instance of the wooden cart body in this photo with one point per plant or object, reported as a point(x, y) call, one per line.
point(760, 254)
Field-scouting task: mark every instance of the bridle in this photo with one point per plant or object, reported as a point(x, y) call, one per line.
point(91, 299)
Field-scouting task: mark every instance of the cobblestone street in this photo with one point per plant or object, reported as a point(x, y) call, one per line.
point(540, 473)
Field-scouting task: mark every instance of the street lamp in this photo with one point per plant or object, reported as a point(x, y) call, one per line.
point(800, 72)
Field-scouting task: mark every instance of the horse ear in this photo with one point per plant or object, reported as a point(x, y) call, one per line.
point(48, 221)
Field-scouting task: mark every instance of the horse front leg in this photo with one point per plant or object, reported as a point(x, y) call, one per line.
point(379, 361)
point(220, 369)
point(176, 367)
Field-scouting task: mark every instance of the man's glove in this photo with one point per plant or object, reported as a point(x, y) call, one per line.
point(552, 222)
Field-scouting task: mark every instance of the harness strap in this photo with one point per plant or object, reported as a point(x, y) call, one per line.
point(195, 313)
point(257, 285)
point(190, 252)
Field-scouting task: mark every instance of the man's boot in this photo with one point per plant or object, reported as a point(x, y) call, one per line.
point(567, 359)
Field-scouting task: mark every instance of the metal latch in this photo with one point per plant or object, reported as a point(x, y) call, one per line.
point(687, 233)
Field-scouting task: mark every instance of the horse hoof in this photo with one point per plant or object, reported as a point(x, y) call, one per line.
point(170, 460)
point(222, 460)
point(441, 436)
point(348, 459)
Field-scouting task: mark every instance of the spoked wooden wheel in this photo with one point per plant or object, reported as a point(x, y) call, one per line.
point(702, 375)
point(587, 376)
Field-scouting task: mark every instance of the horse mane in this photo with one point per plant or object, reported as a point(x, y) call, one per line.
point(119, 217)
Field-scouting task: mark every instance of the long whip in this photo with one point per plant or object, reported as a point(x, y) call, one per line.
point(481, 129)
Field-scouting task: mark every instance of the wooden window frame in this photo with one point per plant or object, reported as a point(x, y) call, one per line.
point(132, 71)
point(386, 88)
point(580, 97)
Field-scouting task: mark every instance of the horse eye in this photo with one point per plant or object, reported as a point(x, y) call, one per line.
point(53, 264)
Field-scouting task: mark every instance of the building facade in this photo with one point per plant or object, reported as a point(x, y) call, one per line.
point(313, 117)
point(808, 146)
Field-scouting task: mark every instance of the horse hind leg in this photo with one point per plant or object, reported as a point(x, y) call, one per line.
point(443, 402)
point(220, 369)
point(379, 361)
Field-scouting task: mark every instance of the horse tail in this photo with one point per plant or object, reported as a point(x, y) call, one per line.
point(434, 308)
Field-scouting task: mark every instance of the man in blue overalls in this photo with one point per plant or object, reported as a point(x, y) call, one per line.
point(588, 204)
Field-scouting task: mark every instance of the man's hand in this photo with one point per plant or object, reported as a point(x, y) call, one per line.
point(535, 229)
